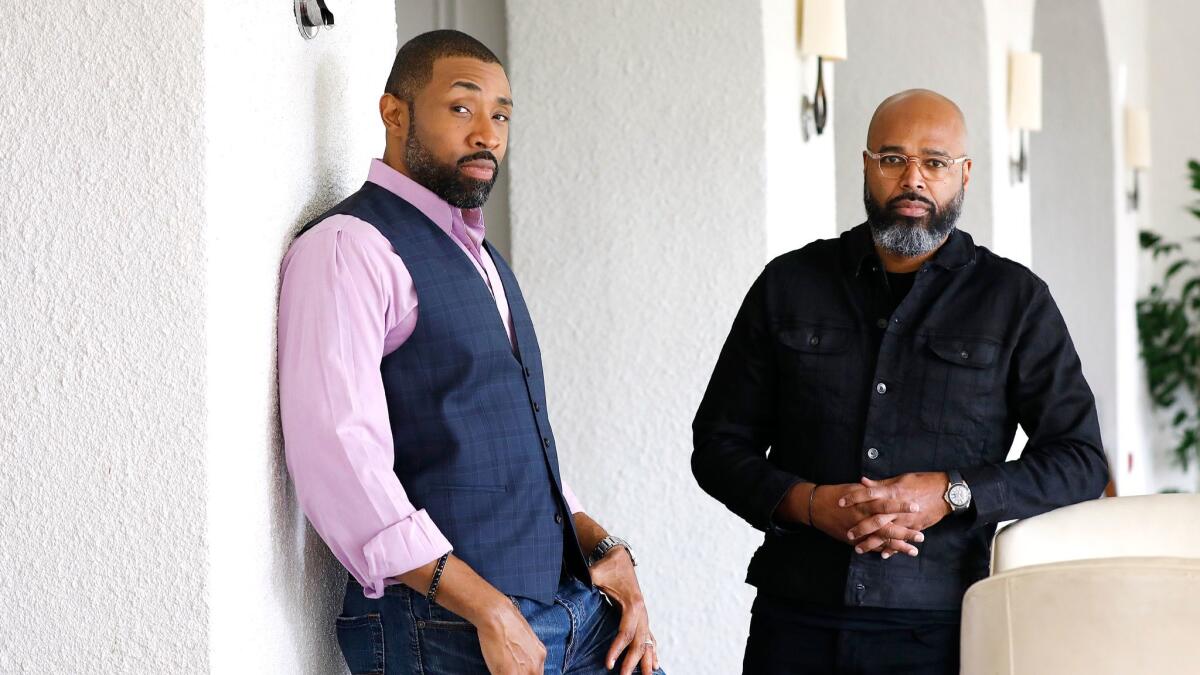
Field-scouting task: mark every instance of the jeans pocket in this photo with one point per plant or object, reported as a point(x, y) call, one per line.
point(361, 641)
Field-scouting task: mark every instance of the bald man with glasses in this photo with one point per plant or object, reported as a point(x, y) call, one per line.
point(864, 403)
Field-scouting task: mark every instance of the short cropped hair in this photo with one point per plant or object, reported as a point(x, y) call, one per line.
point(413, 67)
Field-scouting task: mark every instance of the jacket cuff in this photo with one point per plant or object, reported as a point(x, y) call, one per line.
point(402, 547)
point(989, 493)
point(777, 527)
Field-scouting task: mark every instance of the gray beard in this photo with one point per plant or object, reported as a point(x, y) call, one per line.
point(911, 237)
point(908, 241)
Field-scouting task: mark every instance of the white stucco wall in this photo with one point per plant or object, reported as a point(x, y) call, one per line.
point(291, 126)
point(102, 283)
point(638, 223)
point(1174, 101)
point(957, 68)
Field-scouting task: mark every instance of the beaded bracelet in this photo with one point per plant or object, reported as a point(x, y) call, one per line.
point(437, 578)
point(811, 495)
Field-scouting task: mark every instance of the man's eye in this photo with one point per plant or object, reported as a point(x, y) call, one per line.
point(936, 163)
point(893, 160)
point(500, 116)
point(460, 108)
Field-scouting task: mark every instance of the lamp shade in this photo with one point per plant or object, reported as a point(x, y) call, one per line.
point(823, 28)
point(1137, 138)
point(1025, 91)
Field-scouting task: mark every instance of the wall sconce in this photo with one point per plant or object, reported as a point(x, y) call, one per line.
point(1024, 104)
point(310, 16)
point(1137, 148)
point(822, 32)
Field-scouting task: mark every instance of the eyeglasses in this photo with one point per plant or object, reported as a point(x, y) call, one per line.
point(934, 169)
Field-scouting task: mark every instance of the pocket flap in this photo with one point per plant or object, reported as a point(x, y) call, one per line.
point(815, 339)
point(970, 352)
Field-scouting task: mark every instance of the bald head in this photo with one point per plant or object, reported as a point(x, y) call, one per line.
point(918, 113)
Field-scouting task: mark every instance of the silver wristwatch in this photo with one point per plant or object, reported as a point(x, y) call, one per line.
point(607, 544)
point(958, 494)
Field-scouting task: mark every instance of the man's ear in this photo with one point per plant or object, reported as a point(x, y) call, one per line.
point(394, 113)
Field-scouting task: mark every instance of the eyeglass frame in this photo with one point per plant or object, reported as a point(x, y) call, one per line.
point(909, 159)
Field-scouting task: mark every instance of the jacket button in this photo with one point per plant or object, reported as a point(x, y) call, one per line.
point(881, 388)
point(881, 323)
point(814, 340)
point(872, 453)
point(558, 518)
point(545, 442)
point(964, 355)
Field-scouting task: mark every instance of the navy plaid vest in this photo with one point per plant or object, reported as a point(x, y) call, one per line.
point(468, 415)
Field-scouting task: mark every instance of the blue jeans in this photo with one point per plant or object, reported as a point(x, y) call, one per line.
point(403, 634)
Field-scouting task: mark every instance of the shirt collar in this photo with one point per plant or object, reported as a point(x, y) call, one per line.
point(435, 208)
point(858, 250)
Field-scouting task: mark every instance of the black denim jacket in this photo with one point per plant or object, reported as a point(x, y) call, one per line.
point(818, 381)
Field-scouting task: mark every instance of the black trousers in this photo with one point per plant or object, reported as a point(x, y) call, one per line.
point(786, 639)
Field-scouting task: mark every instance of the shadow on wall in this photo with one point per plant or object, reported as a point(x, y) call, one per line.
point(308, 580)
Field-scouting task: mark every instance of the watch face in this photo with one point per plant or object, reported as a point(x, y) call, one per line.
point(959, 495)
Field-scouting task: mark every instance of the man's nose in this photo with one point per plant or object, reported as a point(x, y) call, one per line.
point(483, 135)
point(912, 180)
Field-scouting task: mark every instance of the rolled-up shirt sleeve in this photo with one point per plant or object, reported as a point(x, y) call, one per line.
point(335, 311)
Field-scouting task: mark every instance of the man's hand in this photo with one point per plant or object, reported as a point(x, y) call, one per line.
point(878, 498)
point(508, 643)
point(837, 521)
point(614, 575)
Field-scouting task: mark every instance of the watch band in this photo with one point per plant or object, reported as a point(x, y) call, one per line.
point(955, 483)
point(607, 544)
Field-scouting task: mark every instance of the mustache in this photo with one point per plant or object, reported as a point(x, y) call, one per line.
point(482, 154)
point(912, 197)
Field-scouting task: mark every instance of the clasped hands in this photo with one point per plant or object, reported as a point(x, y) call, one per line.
point(887, 516)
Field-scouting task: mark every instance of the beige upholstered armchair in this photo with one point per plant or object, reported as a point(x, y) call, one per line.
point(1150, 525)
point(1108, 586)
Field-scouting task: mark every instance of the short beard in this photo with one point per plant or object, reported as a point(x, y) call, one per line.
point(906, 236)
point(446, 181)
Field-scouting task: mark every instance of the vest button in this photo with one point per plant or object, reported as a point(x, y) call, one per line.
point(873, 453)
point(536, 407)
point(558, 518)
point(545, 442)
point(814, 340)
point(881, 388)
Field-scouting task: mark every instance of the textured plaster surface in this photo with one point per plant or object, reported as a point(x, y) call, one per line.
point(101, 321)
point(638, 223)
point(291, 128)
point(957, 68)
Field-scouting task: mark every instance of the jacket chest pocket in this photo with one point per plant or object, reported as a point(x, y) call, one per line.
point(959, 377)
point(814, 364)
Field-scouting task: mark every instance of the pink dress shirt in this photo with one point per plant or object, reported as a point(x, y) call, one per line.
point(346, 301)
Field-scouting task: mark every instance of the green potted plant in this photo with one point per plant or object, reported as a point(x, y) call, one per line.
point(1169, 334)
